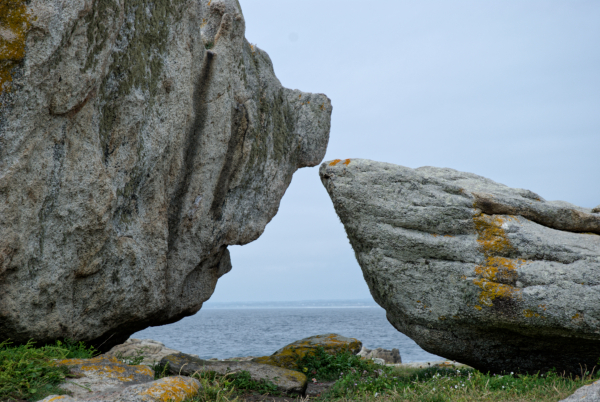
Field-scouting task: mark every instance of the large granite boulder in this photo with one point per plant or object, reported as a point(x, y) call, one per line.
point(472, 270)
point(138, 139)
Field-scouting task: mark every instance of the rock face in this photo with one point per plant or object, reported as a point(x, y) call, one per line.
point(388, 356)
point(288, 355)
point(103, 375)
point(473, 270)
point(152, 351)
point(138, 139)
point(587, 393)
point(172, 389)
point(287, 381)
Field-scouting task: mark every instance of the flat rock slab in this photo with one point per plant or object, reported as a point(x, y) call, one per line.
point(151, 350)
point(473, 270)
point(287, 381)
point(172, 389)
point(587, 393)
point(103, 374)
point(288, 355)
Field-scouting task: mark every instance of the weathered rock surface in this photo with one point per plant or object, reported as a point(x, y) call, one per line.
point(287, 381)
point(388, 356)
point(288, 355)
point(172, 389)
point(473, 270)
point(587, 393)
point(152, 351)
point(138, 139)
point(103, 374)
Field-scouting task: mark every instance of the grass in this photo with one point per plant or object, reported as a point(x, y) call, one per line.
point(27, 372)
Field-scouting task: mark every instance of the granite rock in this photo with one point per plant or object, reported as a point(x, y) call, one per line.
point(287, 381)
point(102, 374)
point(587, 393)
point(388, 356)
point(288, 355)
point(472, 270)
point(138, 140)
point(172, 389)
point(152, 351)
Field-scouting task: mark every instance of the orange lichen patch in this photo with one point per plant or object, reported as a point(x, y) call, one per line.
point(531, 314)
point(542, 306)
point(322, 107)
point(108, 367)
point(496, 270)
point(174, 389)
point(56, 398)
point(490, 235)
point(442, 317)
point(577, 317)
point(15, 22)
point(334, 162)
point(478, 308)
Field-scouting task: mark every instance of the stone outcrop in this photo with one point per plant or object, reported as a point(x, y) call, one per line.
point(150, 350)
point(472, 270)
point(138, 139)
point(587, 393)
point(101, 375)
point(287, 381)
point(288, 355)
point(172, 389)
point(388, 356)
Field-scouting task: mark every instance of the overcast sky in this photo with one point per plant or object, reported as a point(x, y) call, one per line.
point(509, 90)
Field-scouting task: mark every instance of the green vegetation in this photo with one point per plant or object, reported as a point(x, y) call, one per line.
point(27, 372)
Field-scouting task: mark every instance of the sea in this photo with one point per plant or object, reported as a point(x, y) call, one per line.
point(224, 330)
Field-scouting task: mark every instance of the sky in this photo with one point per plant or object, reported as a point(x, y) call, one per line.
point(509, 90)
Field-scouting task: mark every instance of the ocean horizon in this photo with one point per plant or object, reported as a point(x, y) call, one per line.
point(239, 329)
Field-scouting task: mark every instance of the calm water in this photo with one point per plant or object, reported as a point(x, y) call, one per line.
point(225, 332)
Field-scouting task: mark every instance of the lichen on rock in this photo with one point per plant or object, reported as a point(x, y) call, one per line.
point(472, 270)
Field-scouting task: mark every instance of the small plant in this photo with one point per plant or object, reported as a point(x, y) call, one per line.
point(326, 366)
point(138, 358)
point(209, 45)
point(160, 371)
point(238, 382)
point(27, 372)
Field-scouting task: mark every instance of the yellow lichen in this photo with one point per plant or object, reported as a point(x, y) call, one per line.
point(56, 398)
point(335, 162)
point(493, 242)
point(530, 313)
point(174, 389)
point(15, 22)
point(347, 162)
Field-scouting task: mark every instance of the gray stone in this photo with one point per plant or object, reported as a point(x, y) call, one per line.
point(587, 393)
point(596, 210)
point(388, 356)
point(102, 375)
point(287, 381)
point(472, 270)
point(152, 351)
point(138, 139)
point(173, 389)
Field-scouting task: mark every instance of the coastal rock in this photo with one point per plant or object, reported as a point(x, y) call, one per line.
point(287, 381)
point(138, 140)
point(102, 375)
point(388, 356)
point(173, 389)
point(333, 343)
point(587, 393)
point(152, 351)
point(596, 210)
point(472, 270)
